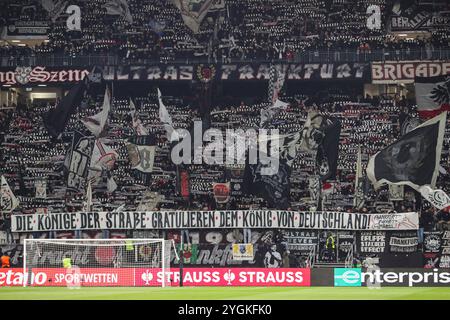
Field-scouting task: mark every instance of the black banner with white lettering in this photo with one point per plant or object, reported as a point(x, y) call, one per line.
point(180, 72)
point(371, 242)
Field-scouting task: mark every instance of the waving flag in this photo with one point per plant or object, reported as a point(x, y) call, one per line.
point(267, 114)
point(141, 152)
point(78, 162)
point(432, 95)
point(8, 201)
point(436, 197)
point(137, 123)
point(193, 11)
point(55, 120)
point(166, 119)
point(103, 158)
point(412, 160)
point(96, 123)
point(119, 7)
point(54, 7)
point(328, 150)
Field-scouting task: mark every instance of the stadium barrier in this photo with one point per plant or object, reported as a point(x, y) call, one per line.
point(229, 277)
point(307, 56)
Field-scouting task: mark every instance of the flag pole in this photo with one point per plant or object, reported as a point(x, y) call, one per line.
point(181, 256)
point(1, 197)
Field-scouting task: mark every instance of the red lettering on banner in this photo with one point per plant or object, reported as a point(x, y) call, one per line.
point(39, 74)
point(62, 75)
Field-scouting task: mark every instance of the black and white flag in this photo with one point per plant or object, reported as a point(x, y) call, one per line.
point(166, 119)
point(8, 201)
point(141, 152)
point(437, 197)
point(41, 189)
point(119, 7)
point(312, 133)
point(54, 7)
point(266, 114)
point(273, 188)
point(80, 158)
point(274, 185)
point(193, 12)
point(96, 123)
point(412, 160)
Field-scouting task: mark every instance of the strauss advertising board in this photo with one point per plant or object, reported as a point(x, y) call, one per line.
point(142, 277)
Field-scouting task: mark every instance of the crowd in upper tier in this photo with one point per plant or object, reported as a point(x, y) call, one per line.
point(240, 30)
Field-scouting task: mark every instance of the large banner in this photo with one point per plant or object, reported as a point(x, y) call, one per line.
point(371, 242)
point(146, 277)
point(242, 71)
point(41, 75)
point(388, 277)
point(406, 71)
point(28, 29)
point(180, 72)
point(214, 219)
point(228, 277)
point(413, 16)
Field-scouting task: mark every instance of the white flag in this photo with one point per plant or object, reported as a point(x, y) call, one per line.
point(103, 158)
point(54, 7)
point(193, 12)
point(396, 192)
point(111, 184)
point(8, 201)
point(438, 198)
point(97, 122)
point(166, 119)
point(270, 112)
point(119, 7)
point(41, 189)
point(137, 123)
point(149, 201)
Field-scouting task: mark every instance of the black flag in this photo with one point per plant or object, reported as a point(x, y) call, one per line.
point(328, 150)
point(55, 120)
point(274, 188)
point(412, 160)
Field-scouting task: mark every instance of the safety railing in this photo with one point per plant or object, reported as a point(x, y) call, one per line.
point(309, 56)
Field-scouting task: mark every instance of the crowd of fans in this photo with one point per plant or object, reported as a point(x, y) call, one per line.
point(28, 154)
point(251, 30)
point(240, 30)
